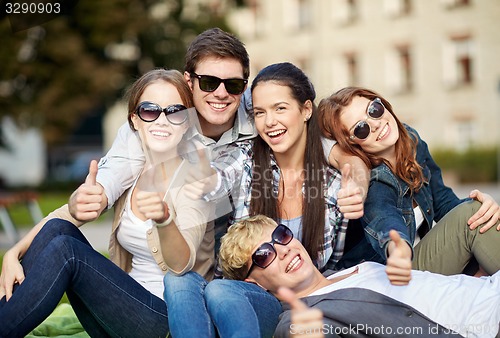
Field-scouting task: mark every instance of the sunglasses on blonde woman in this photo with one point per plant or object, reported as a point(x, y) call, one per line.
point(374, 111)
point(266, 253)
point(148, 112)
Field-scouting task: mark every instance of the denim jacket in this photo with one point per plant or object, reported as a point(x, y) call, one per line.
point(389, 206)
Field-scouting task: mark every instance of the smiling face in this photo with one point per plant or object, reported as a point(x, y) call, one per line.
point(279, 118)
point(384, 131)
point(292, 267)
point(217, 109)
point(160, 135)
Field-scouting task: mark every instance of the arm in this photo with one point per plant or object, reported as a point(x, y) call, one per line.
point(181, 224)
point(229, 168)
point(398, 266)
point(87, 201)
point(174, 248)
point(381, 211)
point(301, 321)
point(12, 270)
point(353, 190)
point(445, 199)
point(121, 165)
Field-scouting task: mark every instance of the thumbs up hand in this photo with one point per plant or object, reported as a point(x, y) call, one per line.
point(398, 266)
point(306, 322)
point(201, 179)
point(350, 196)
point(88, 200)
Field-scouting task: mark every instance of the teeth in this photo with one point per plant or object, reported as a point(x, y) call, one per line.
point(294, 263)
point(384, 132)
point(160, 133)
point(219, 105)
point(276, 132)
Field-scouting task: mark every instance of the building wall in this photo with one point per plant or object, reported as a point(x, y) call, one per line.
point(437, 61)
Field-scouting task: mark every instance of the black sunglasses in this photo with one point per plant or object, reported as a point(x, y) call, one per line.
point(209, 83)
point(266, 253)
point(149, 112)
point(374, 111)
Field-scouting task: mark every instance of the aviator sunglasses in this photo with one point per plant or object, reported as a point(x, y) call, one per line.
point(149, 112)
point(210, 83)
point(374, 111)
point(266, 253)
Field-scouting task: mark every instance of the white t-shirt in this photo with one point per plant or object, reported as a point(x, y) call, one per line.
point(465, 304)
point(131, 235)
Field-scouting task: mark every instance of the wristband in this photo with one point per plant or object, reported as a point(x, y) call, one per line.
point(165, 222)
point(169, 220)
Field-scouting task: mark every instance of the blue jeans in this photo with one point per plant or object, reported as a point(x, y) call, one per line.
point(241, 309)
point(185, 300)
point(236, 308)
point(107, 301)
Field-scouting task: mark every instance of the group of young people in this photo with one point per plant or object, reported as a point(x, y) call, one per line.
point(200, 145)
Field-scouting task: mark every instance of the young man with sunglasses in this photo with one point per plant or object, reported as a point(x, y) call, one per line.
point(359, 301)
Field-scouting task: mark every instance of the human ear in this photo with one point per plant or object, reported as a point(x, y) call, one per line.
point(187, 77)
point(307, 110)
point(135, 121)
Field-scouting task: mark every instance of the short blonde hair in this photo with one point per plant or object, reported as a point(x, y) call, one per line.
point(238, 243)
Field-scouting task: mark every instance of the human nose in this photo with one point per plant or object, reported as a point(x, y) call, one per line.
point(162, 119)
point(270, 119)
point(220, 91)
point(374, 124)
point(282, 250)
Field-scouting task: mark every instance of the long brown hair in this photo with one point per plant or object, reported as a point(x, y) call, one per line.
point(171, 76)
point(332, 107)
point(263, 200)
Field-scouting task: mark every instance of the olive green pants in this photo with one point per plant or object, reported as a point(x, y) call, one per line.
point(449, 246)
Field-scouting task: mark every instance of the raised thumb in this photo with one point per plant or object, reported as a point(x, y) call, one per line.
point(91, 177)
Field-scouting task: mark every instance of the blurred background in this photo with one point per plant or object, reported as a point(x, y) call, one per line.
point(61, 82)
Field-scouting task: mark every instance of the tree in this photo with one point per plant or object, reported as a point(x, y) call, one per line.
point(53, 74)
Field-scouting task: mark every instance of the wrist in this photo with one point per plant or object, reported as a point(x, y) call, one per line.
point(167, 218)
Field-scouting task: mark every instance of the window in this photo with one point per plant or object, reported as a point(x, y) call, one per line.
point(455, 3)
point(344, 11)
point(466, 134)
point(397, 8)
point(346, 70)
point(458, 57)
point(297, 14)
point(305, 14)
point(399, 75)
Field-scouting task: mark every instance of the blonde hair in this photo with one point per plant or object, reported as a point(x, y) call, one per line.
point(238, 243)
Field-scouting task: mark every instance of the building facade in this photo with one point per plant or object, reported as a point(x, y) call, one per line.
point(436, 61)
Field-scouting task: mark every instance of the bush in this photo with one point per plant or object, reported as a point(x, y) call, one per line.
point(472, 166)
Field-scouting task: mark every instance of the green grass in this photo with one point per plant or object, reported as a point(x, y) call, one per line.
point(48, 201)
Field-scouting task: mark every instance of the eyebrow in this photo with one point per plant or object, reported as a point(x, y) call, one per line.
point(274, 105)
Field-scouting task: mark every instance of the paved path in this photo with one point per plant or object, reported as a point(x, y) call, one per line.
point(98, 233)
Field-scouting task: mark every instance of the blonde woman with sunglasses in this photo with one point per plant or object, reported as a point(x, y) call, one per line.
point(156, 229)
point(407, 193)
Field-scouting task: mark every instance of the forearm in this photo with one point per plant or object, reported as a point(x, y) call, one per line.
point(20, 248)
point(175, 250)
point(360, 172)
point(122, 164)
point(23, 245)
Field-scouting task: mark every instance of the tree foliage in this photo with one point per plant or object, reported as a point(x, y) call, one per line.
point(53, 74)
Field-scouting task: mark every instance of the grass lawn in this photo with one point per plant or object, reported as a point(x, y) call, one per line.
point(48, 201)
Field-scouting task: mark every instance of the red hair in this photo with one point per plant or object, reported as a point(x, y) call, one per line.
point(329, 112)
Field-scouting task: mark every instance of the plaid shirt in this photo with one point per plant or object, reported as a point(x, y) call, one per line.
point(234, 167)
